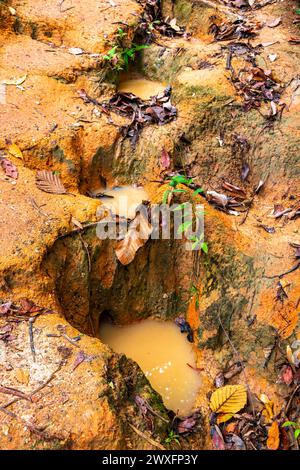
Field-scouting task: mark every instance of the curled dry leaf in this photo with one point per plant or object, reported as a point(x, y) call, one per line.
point(49, 182)
point(274, 22)
point(9, 168)
point(139, 231)
point(228, 399)
point(273, 436)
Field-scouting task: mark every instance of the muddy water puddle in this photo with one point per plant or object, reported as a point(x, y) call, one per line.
point(124, 200)
point(163, 353)
point(141, 87)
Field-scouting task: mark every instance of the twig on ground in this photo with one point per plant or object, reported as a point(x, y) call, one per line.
point(294, 268)
point(147, 438)
point(31, 339)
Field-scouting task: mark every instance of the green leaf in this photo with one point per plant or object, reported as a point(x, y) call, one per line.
point(289, 423)
point(180, 207)
point(198, 191)
point(111, 53)
point(137, 47)
point(183, 227)
point(165, 196)
point(296, 433)
point(180, 179)
point(204, 247)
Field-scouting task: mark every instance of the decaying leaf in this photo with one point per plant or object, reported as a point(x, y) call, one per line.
point(5, 308)
point(217, 438)
point(139, 231)
point(190, 423)
point(158, 110)
point(286, 375)
point(49, 182)
point(234, 442)
point(273, 436)
point(229, 399)
point(165, 159)
point(217, 198)
point(9, 168)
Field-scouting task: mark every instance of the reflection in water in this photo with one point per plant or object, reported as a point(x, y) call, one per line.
point(162, 353)
point(125, 200)
point(142, 87)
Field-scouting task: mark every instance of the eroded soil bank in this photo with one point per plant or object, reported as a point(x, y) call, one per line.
point(236, 134)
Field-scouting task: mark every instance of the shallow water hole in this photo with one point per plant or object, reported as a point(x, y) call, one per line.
point(140, 86)
point(163, 353)
point(124, 200)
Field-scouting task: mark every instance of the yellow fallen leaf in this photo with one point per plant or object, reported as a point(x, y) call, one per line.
point(223, 417)
point(15, 151)
point(22, 376)
point(229, 399)
point(289, 355)
point(268, 411)
point(273, 440)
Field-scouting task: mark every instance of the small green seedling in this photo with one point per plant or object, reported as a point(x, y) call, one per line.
point(295, 426)
point(120, 57)
point(172, 437)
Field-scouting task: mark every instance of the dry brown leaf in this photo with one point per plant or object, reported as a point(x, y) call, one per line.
point(273, 440)
point(229, 399)
point(139, 231)
point(49, 182)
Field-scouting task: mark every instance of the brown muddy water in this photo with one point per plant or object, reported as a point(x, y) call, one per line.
point(124, 200)
point(141, 87)
point(163, 353)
